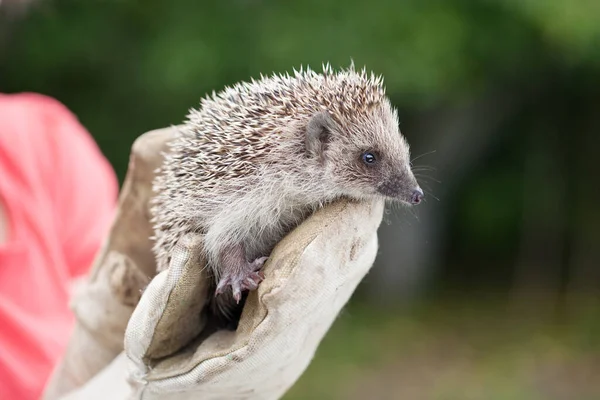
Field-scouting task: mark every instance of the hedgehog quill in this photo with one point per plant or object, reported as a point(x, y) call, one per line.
point(259, 157)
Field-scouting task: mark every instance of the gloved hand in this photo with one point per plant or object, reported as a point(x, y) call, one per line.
point(170, 349)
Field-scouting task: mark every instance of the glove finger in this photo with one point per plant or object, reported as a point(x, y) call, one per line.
point(171, 311)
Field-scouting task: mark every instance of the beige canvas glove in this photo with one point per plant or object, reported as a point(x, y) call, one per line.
point(172, 353)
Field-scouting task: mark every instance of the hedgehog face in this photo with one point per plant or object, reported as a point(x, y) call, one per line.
point(366, 157)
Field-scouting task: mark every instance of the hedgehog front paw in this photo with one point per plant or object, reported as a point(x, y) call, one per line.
point(245, 278)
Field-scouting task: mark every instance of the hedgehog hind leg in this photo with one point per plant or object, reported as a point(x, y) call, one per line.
point(237, 272)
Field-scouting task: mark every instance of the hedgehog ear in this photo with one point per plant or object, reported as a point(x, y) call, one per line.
point(318, 134)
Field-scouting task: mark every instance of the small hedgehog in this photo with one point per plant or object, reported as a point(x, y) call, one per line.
point(257, 158)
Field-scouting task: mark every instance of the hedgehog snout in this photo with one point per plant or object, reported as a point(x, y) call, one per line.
point(417, 196)
point(402, 188)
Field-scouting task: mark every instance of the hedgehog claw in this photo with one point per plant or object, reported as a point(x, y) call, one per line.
point(237, 293)
point(247, 278)
point(221, 286)
point(258, 263)
point(250, 283)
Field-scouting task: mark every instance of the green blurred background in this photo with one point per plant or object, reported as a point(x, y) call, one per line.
point(490, 289)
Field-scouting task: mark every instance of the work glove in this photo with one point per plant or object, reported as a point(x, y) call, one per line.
point(142, 335)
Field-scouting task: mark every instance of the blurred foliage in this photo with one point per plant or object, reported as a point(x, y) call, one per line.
point(524, 212)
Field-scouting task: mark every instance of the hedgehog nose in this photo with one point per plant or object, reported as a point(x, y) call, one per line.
point(417, 196)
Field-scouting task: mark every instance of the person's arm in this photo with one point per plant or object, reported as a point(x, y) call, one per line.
point(58, 195)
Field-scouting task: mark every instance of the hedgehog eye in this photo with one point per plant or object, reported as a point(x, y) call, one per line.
point(369, 158)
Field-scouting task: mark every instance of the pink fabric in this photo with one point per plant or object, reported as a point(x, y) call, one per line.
point(59, 194)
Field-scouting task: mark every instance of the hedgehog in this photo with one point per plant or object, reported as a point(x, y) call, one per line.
point(256, 159)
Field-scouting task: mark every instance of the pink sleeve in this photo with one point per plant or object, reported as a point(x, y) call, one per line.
point(59, 195)
point(83, 186)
